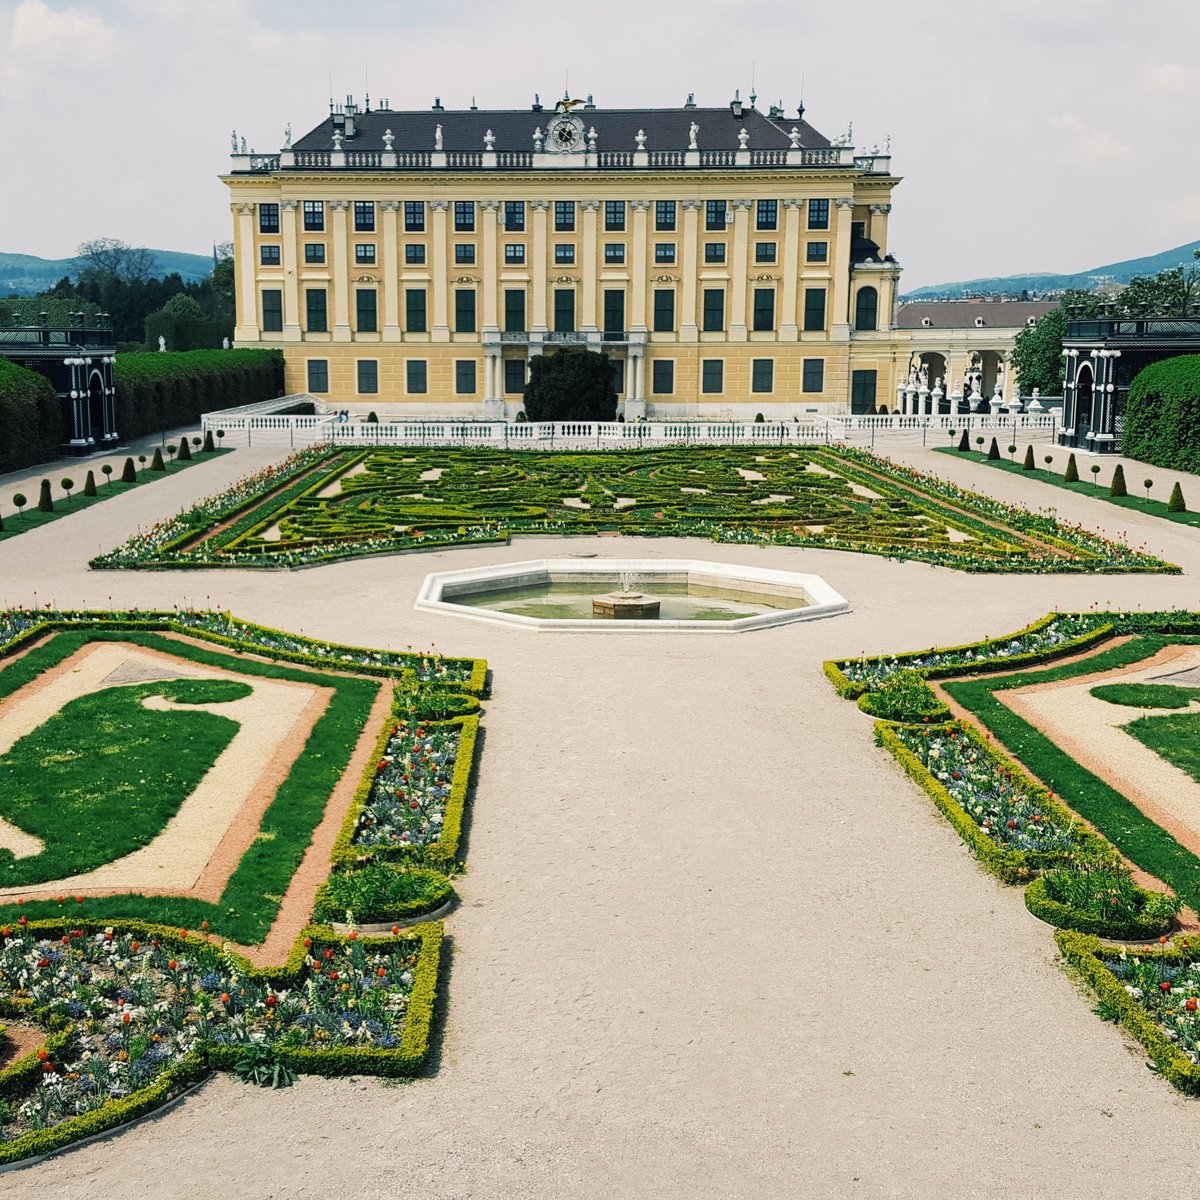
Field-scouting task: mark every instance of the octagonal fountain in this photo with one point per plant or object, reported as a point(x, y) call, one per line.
point(567, 595)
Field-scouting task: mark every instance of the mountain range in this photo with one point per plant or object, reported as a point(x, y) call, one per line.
point(1041, 282)
point(26, 275)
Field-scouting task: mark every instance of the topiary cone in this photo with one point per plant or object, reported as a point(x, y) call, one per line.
point(964, 442)
point(208, 447)
point(1117, 487)
point(993, 451)
point(156, 463)
point(45, 499)
point(1071, 474)
point(1027, 463)
point(1175, 503)
point(89, 484)
point(129, 472)
point(185, 451)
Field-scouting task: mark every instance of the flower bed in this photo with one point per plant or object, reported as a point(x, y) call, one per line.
point(1115, 908)
point(136, 1012)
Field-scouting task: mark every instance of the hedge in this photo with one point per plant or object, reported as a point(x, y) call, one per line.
point(1157, 915)
point(31, 421)
point(1162, 414)
point(162, 391)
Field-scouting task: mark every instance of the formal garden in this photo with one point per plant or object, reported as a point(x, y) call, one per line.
point(222, 846)
point(322, 505)
point(1065, 756)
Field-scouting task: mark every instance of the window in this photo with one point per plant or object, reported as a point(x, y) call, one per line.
point(318, 375)
point(364, 216)
point(564, 253)
point(762, 375)
point(464, 216)
point(713, 315)
point(664, 252)
point(818, 214)
point(662, 376)
point(514, 375)
point(464, 254)
point(272, 310)
point(514, 253)
point(268, 218)
point(614, 310)
point(564, 216)
point(364, 254)
point(464, 378)
point(514, 310)
point(664, 310)
point(614, 253)
point(714, 252)
point(316, 320)
point(415, 311)
point(767, 212)
point(816, 252)
point(414, 216)
point(814, 375)
point(268, 256)
point(416, 376)
point(514, 216)
point(564, 310)
point(714, 214)
point(664, 215)
point(814, 309)
point(314, 215)
point(712, 375)
point(614, 215)
point(368, 376)
point(862, 391)
point(765, 252)
point(764, 309)
point(858, 231)
point(618, 374)
point(866, 309)
point(464, 310)
point(366, 310)
point(414, 254)
point(314, 252)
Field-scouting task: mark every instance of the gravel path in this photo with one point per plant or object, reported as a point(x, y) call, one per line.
point(712, 943)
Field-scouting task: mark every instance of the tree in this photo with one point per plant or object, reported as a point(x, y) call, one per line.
point(67, 484)
point(117, 259)
point(45, 499)
point(156, 463)
point(185, 451)
point(19, 501)
point(993, 451)
point(1117, 487)
point(89, 484)
point(1037, 350)
point(1174, 504)
point(572, 385)
point(1027, 464)
point(964, 442)
point(1071, 474)
point(129, 472)
point(107, 469)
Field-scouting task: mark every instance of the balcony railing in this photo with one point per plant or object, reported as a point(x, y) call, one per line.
point(100, 340)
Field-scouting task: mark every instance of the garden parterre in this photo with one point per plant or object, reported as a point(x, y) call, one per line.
point(324, 505)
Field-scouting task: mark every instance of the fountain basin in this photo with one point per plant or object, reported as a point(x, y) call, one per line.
point(559, 596)
point(626, 606)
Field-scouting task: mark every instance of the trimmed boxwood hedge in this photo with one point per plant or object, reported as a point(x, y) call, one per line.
point(31, 422)
point(1162, 414)
point(1157, 915)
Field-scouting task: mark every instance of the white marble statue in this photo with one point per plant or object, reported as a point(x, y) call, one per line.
point(287, 136)
point(695, 129)
point(437, 137)
point(162, 343)
point(224, 343)
point(233, 141)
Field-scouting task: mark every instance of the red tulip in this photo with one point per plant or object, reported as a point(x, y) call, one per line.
point(1190, 1004)
point(171, 964)
point(1165, 985)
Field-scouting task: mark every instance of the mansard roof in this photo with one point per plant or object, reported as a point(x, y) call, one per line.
point(963, 314)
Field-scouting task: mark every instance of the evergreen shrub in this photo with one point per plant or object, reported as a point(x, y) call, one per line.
point(1162, 415)
point(1117, 487)
point(1071, 474)
point(1176, 503)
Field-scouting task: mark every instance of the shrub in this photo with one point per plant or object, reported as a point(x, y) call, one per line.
point(108, 470)
point(572, 385)
point(1071, 474)
point(1175, 503)
point(45, 499)
point(31, 422)
point(904, 696)
point(89, 484)
point(993, 451)
point(372, 418)
point(759, 418)
point(19, 501)
point(1162, 414)
point(1099, 896)
point(1117, 487)
point(964, 442)
point(379, 892)
point(1027, 463)
point(157, 463)
point(185, 451)
point(129, 472)
point(208, 447)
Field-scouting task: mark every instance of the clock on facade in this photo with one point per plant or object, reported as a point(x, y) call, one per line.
point(564, 133)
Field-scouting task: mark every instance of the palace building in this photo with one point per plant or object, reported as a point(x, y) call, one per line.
point(729, 261)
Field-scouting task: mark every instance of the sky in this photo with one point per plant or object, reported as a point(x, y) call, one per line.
point(1047, 135)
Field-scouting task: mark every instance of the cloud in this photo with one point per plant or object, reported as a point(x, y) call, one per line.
point(1169, 79)
point(57, 35)
point(1089, 144)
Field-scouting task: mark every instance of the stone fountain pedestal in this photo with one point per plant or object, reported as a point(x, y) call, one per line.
point(626, 606)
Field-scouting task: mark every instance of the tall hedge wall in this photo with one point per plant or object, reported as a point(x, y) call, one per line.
point(161, 391)
point(31, 423)
point(1162, 417)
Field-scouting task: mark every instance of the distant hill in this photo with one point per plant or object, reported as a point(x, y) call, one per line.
point(26, 275)
point(1013, 285)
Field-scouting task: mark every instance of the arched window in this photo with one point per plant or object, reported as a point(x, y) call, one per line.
point(866, 309)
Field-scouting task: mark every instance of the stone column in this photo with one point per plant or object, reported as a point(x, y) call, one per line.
point(341, 270)
point(637, 299)
point(590, 275)
point(688, 328)
point(291, 270)
point(538, 274)
point(878, 230)
point(789, 330)
point(440, 330)
point(247, 302)
point(489, 215)
point(390, 215)
point(739, 269)
point(839, 309)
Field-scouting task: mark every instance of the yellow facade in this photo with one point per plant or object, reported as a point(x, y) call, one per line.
point(442, 276)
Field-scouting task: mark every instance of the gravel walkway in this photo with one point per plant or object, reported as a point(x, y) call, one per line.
point(712, 943)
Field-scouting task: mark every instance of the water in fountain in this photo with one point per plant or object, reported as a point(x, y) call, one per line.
point(628, 581)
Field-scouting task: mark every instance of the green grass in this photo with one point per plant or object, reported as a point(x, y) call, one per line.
point(1136, 499)
point(251, 899)
point(103, 776)
point(32, 518)
point(1113, 814)
point(1146, 695)
point(1175, 739)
